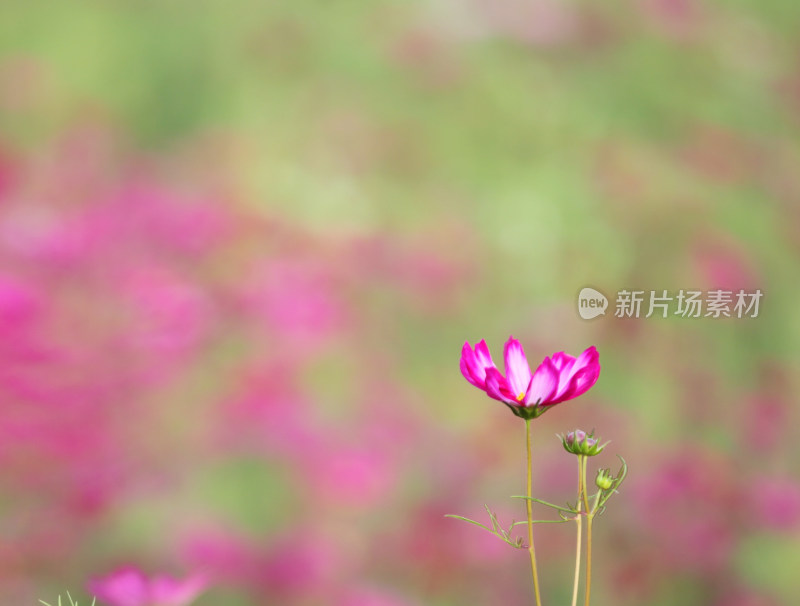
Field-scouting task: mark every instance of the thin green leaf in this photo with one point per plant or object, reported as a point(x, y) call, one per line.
point(450, 515)
point(545, 503)
point(493, 518)
point(547, 521)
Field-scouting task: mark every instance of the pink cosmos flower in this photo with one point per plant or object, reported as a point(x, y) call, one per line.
point(128, 586)
point(529, 394)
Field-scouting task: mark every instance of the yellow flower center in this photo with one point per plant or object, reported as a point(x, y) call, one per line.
point(521, 396)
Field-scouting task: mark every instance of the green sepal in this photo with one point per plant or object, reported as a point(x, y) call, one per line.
point(528, 412)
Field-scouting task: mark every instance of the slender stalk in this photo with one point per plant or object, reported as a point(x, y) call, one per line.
point(584, 495)
point(529, 503)
point(579, 522)
point(589, 519)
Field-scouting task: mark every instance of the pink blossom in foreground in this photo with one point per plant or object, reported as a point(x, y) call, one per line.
point(130, 587)
point(557, 379)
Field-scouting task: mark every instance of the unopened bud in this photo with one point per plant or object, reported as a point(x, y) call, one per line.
point(604, 479)
point(580, 443)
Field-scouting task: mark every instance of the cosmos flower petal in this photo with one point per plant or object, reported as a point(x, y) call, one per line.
point(584, 375)
point(470, 367)
point(543, 384)
point(518, 372)
point(483, 355)
point(474, 363)
point(562, 361)
point(497, 387)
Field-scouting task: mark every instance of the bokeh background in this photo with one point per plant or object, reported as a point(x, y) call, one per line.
point(242, 244)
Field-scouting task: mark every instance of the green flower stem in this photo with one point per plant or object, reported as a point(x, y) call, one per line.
point(529, 503)
point(589, 519)
point(584, 496)
point(579, 522)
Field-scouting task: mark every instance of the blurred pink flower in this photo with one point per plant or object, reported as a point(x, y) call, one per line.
point(721, 261)
point(356, 477)
point(267, 414)
point(296, 300)
point(763, 422)
point(544, 23)
point(558, 378)
point(168, 313)
point(775, 502)
point(421, 271)
point(226, 557)
point(678, 18)
point(426, 52)
point(290, 566)
point(19, 305)
point(444, 555)
point(371, 597)
point(176, 223)
point(38, 233)
point(746, 597)
point(683, 508)
point(299, 565)
point(7, 172)
point(128, 586)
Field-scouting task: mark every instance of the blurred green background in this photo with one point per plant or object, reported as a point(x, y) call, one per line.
point(450, 171)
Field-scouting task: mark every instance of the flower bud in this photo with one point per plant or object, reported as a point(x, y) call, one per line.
point(604, 480)
point(580, 443)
